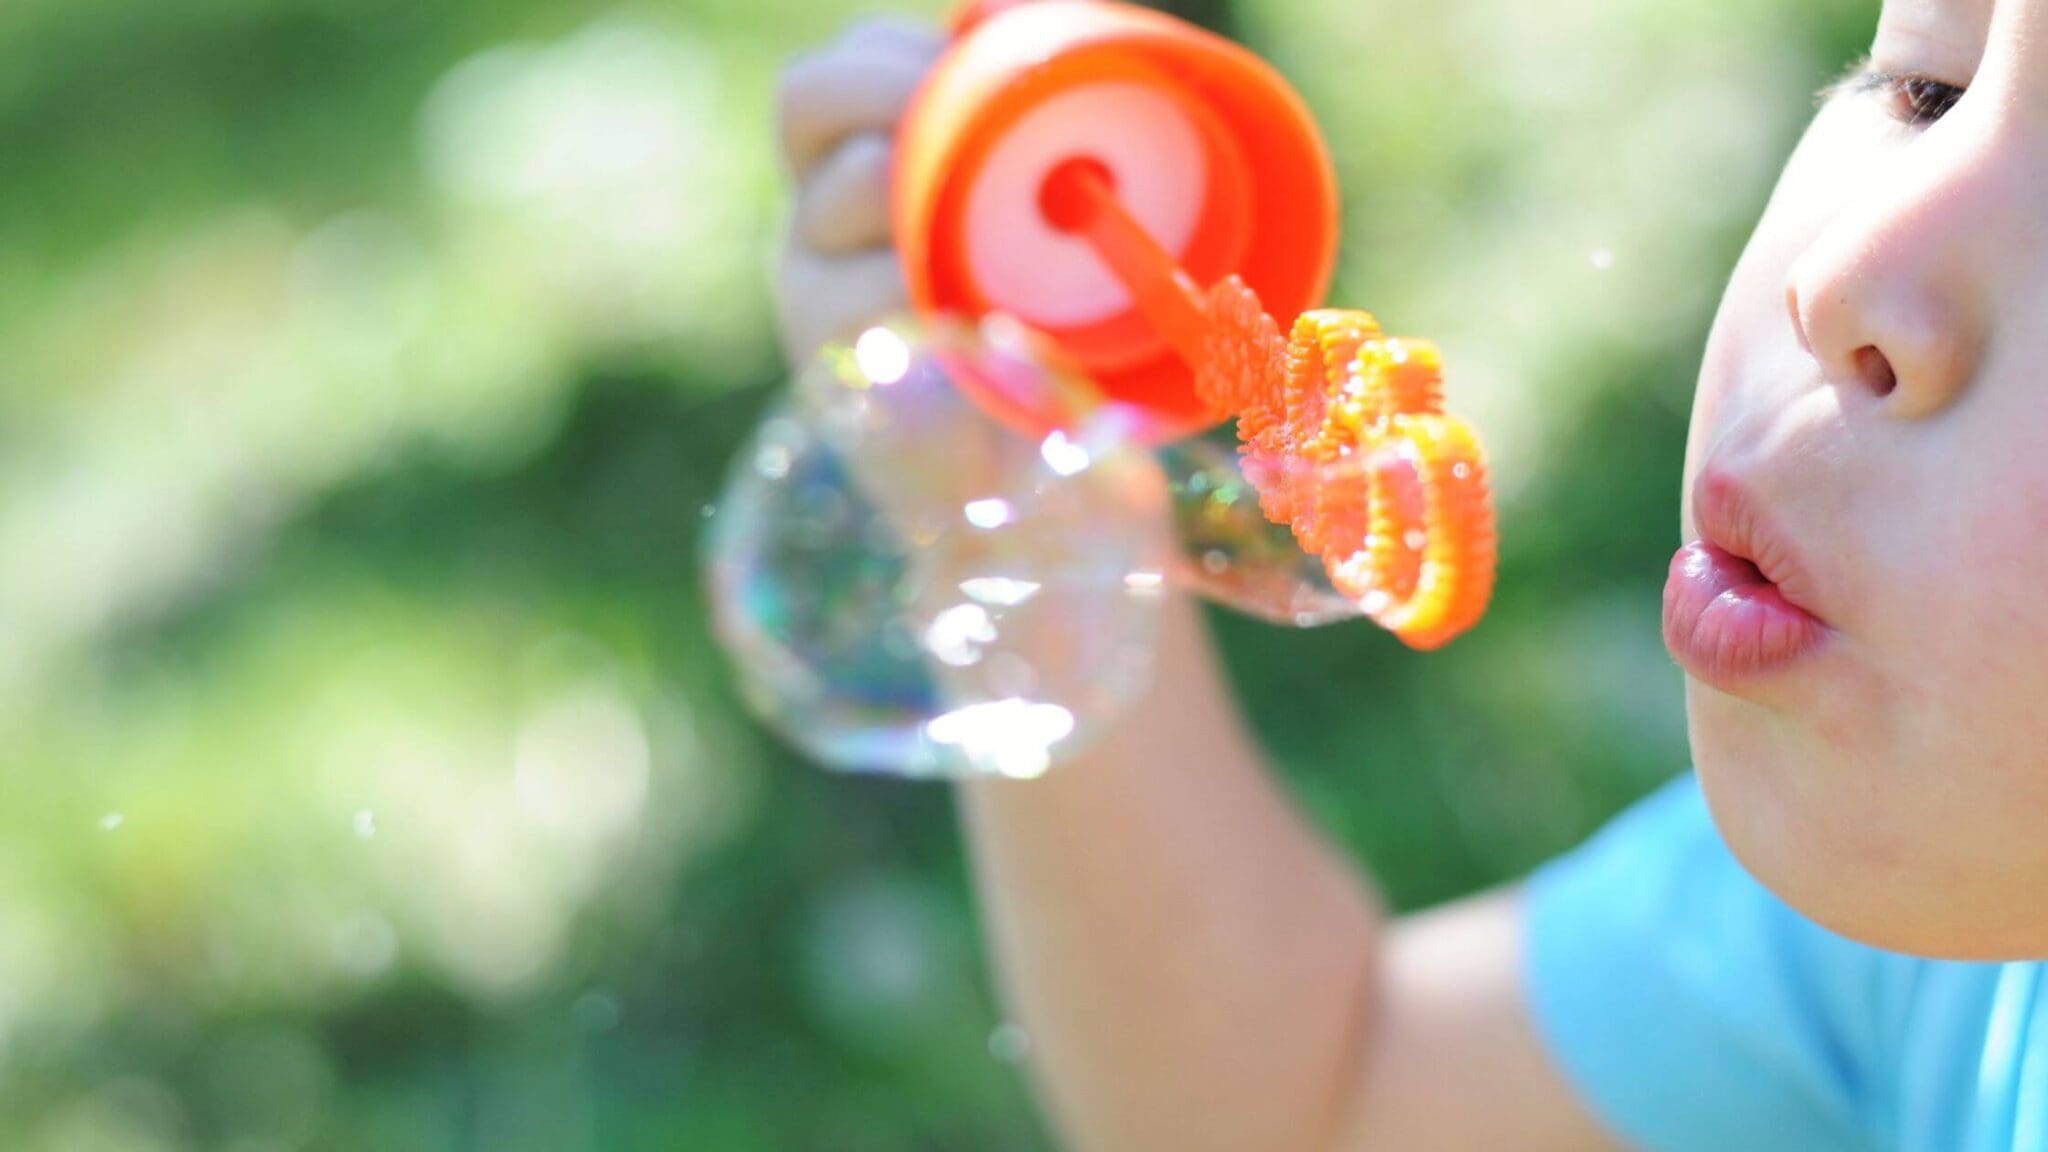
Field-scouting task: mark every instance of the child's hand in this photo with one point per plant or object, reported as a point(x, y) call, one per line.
point(838, 109)
point(839, 273)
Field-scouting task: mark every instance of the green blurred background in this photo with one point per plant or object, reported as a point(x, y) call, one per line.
point(368, 778)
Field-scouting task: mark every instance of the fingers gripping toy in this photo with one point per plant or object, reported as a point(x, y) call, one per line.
point(1148, 196)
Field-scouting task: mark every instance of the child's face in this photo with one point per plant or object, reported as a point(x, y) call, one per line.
point(1865, 625)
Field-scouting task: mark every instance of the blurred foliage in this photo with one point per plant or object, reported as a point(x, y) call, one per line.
point(368, 778)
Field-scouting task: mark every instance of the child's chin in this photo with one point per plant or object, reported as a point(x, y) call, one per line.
point(1851, 844)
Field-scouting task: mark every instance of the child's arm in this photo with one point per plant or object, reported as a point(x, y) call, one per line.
point(1196, 969)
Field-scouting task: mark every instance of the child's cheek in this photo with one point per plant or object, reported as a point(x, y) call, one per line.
point(1750, 352)
point(2006, 534)
point(1965, 626)
point(1996, 653)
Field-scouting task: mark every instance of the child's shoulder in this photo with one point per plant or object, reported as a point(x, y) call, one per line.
point(1693, 1009)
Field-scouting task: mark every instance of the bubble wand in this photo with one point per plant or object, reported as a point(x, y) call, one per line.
point(1087, 167)
point(1100, 210)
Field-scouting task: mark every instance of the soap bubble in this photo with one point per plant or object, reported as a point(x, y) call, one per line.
point(909, 586)
point(1230, 553)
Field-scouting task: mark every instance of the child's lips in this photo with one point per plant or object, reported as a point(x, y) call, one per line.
point(1733, 608)
point(1726, 624)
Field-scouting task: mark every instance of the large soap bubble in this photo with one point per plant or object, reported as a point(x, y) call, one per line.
point(909, 586)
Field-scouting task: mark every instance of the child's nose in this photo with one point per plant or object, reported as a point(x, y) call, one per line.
point(1894, 296)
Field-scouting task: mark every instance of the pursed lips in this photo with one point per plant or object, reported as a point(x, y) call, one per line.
point(1738, 600)
point(1729, 515)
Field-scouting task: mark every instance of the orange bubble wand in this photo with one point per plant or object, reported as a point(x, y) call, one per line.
point(1114, 113)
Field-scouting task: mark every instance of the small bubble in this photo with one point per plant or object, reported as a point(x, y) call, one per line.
point(111, 821)
point(709, 510)
point(365, 823)
point(1215, 562)
point(1416, 539)
point(1009, 1044)
point(1601, 259)
point(1461, 470)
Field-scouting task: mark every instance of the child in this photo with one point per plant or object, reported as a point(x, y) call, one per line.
point(1841, 957)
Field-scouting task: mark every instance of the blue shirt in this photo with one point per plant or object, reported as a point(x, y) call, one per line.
point(1693, 1010)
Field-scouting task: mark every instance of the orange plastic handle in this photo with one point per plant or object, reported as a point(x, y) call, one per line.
point(1078, 197)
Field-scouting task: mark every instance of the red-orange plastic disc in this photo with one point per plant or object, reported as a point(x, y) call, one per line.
point(1267, 210)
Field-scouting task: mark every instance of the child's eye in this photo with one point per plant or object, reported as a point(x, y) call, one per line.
point(1918, 100)
point(1911, 99)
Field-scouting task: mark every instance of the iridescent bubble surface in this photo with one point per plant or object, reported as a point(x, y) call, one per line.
point(908, 586)
point(1232, 553)
point(1229, 552)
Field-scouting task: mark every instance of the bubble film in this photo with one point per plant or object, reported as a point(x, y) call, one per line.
point(908, 586)
point(1345, 437)
point(1230, 552)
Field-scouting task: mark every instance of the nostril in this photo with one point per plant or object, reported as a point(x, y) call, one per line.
point(1876, 371)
